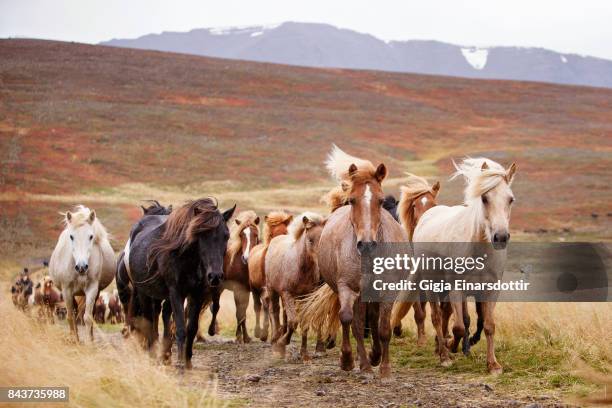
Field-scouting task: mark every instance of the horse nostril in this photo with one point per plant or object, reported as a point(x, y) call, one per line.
point(359, 246)
point(76, 268)
point(85, 267)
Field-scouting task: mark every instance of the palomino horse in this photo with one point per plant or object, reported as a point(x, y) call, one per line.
point(349, 232)
point(485, 218)
point(417, 196)
point(175, 257)
point(83, 263)
point(244, 235)
point(275, 224)
point(291, 271)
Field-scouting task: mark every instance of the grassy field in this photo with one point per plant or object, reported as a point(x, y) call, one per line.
point(111, 127)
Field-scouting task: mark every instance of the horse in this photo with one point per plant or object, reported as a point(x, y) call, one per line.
point(275, 224)
point(391, 204)
point(485, 219)
point(99, 312)
point(114, 308)
point(50, 298)
point(125, 288)
point(82, 263)
point(350, 232)
point(244, 235)
point(417, 196)
point(176, 257)
point(291, 271)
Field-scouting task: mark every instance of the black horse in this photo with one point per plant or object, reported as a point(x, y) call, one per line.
point(127, 295)
point(390, 204)
point(176, 257)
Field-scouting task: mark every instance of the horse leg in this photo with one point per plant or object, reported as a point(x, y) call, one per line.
point(458, 326)
point(400, 309)
point(373, 315)
point(419, 318)
point(489, 329)
point(214, 309)
point(70, 312)
point(384, 333)
point(257, 308)
point(265, 303)
point(91, 295)
point(436, 320)
point(290, 325)
point(195, 305)
point(347, 298)
point(479, 324)
point(320, 347)
point(465, 343)
point(167, 339)
point(274, 306)
point(178, 313)
point(447, 312)
point(241, 298)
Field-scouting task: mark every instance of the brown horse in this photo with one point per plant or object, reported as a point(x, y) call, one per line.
point(244, 235)
point(275, 224)
point(349, 232)
point(50, 297)
point(417, 196)
point(292, 270)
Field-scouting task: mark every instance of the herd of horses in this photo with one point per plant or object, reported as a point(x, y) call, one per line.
point(176, 263)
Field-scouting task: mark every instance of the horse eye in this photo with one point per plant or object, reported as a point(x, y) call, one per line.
point(381, 201)
point(485, 200)
point(72, 237)
point(511, 200)
point(90, 237)
point(351, 201)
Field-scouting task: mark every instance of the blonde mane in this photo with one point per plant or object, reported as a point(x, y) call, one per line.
point(79, 216)
point(297, 227)
point(415, 187)
point(335, 198)
point(234, 244)
point(479, 181)
point(338, 163)
point(273, 219)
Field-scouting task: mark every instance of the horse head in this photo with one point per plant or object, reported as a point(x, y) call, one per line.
point(81, 233)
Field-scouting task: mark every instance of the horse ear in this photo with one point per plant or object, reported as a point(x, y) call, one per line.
point(228, 213)
point(381, 172)
point(288, 221)
point(68, 216)
point(510, 173)
point(265, 218)
point(144, 210)
point(352, 169)
point(305, 220)
point(92, 216)
point(436, 188)
point(257, 220)
point(485, 166)
point(237, 221)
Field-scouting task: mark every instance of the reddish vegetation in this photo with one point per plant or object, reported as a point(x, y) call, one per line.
point(76, 117)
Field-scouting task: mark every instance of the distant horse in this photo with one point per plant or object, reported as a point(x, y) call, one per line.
point(114, 308)
point(349, 232)
point(124, 286)
point(391, 204)
point(484, 218)
point(291, 271)
point(275, 224)
point(50, 298)
point(99, 312)
point(417, 196)
point(244, 235)
point(175, 257)
point(82, 263)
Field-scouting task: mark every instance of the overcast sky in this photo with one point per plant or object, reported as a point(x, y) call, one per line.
point(579, 26)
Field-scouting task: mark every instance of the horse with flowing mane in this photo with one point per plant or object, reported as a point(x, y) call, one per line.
point(176, 257)
point(483, 219)
point(350, 231)
point(417, 196)
point(82, 263)
point(275, 224)
point(291, 271)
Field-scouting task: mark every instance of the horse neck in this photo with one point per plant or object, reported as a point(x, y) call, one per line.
point(307, 261)
point(471, 221)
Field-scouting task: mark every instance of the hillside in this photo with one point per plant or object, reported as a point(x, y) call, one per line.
point(323, 45)
point(111, 126)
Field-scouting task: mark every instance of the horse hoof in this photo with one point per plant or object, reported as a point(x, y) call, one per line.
point(319, 354)
point(397, 331)
point(496, 370)
point(385, 374)
point(211, 331)
point(257, 332)
point(374, 358)
point(188, 365)
point(306, 359)
point(331, 344)
point(246, 340)
point(421, 342)
point(446, 363)
point(264, 338)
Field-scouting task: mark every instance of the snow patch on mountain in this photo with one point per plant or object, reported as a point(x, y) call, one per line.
point(563, 59)
point(476, 57)
point(254, 31)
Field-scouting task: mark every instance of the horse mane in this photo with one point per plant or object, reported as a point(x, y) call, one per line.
point(155, 208)
point(184, 225)
point(414, 188)
point(337, 197)
point(297, 227)
point(338, 163)
point(80, 215)
point(273, 219)
point(247, 219)
point(479, 181)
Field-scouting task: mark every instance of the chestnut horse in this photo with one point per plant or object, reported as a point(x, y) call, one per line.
point(349, 232)
point(484, 218)
point(275, 224)
point(417, 196)
point(292, 270)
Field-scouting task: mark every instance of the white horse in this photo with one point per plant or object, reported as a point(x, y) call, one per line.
point(484, 218)
point(83, 263)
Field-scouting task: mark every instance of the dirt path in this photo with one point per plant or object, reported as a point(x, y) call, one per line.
point(250, 374)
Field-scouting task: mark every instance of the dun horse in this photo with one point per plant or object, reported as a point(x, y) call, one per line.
point(291, 271)
point(349, 232)
point(83, 263)
point(484, 218)
point(275, 224)
point(176, 257)
point(417, 196)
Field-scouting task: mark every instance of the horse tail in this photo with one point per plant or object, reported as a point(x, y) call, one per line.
point(399, 311)
point(319, 311)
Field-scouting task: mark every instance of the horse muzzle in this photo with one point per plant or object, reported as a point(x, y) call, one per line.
point(500, 240)
point(365, 247)
point(215, 280)
point(81, 268)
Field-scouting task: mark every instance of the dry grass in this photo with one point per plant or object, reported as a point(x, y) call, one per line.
point(99, 375)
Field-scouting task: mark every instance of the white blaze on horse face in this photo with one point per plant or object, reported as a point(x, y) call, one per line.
point(81, 239)
point(424, 200)
point(247, 234)
point(367, 210)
